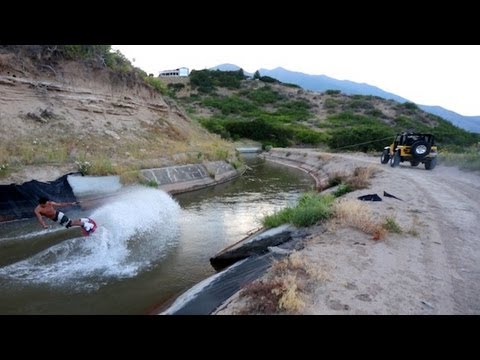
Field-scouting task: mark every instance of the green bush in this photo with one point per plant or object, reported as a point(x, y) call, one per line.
point(311, 208)
point(264, 95)
point(360, 104)
point(157, 84)
point(410, 105)
point(360, 138)
point(260, 130)
point(269, 79)
point(349, 119)
point(330, 103)
point(296, 110)
point(175, 87)
point(215, 125)
point(303, 135)
point(333, 92)
point(230, 105)
point(375, 113)
point(207, 80)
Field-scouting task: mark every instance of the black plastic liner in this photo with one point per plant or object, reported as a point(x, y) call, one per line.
point(19, 201)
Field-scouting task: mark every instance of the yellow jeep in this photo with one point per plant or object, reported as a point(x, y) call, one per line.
point(414, 147)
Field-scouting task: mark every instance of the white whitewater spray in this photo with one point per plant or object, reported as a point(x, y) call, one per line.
point(135, 229)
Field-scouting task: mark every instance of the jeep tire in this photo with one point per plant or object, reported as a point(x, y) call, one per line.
point(395, 160)
point(420, 149)
point(385, 156)
point(430, 164)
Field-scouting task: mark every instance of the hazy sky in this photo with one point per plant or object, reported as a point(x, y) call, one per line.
point(444, 75)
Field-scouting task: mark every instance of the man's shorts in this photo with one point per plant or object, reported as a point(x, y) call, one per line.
point(62, 219)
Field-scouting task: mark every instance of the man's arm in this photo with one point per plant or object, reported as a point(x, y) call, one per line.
point(40, 218)
point(63, 203)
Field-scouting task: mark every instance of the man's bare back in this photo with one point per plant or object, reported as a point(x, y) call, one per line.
point(48, 209)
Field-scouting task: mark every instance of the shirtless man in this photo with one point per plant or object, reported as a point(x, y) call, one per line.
point(47, 208)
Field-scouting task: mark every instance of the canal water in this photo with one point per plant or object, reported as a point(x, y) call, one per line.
point(149, 246)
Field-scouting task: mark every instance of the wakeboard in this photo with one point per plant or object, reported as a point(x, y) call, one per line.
point(89, 226)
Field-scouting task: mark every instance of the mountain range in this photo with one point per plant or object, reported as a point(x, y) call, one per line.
point(322, 83)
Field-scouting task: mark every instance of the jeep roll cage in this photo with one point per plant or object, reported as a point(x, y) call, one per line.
point(409, 138)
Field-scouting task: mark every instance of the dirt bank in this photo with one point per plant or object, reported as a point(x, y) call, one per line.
point(54, 120)
point(431, 267)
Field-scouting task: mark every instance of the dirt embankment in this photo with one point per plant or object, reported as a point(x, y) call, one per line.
point(430, 267)
point(52, 116)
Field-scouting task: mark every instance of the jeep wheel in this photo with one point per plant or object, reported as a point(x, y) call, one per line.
point(385, 156)
point(395, 160)
point(414, 163)
point(420, 149)
point(430, 164)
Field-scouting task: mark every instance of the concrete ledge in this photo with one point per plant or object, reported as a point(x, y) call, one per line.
point(183, 178)
point(306, 161)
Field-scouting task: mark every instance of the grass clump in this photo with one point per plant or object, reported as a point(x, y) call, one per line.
point(3, 169)
point(342, 190)
point(311, 208)
point(150, 183)
point(392, 226)
point(84, 167)
point(103, 166)
point(130, 177)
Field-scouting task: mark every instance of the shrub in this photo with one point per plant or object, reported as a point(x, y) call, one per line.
point(264, 95)
point(157, 84)
point(410, 106)
point(360, 138)
point(205, 81)
point(311, 208)
point(268, 79)
point(333, 92)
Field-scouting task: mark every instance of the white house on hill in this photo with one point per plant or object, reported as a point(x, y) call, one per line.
point(183, 71)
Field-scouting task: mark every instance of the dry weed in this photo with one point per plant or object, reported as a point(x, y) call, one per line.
point(354, 213)
point(325, 156)
point(361, 177)
point(291, 299)
point(284, 288)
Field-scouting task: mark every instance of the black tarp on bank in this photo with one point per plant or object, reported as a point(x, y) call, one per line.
point(19, 201)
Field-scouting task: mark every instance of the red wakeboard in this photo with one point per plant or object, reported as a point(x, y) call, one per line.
point(89, 226)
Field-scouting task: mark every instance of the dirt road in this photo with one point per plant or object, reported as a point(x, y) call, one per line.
point(431, 267)
point(438, 270)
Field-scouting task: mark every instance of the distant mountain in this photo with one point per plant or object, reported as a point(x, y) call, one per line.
point(322, 83)
point(470, 123)
point(230, 67)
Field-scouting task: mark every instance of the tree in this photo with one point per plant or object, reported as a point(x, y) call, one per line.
point(256, 75)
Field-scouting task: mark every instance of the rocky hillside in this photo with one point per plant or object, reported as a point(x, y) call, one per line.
point(279, 114)
point(65, 114)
